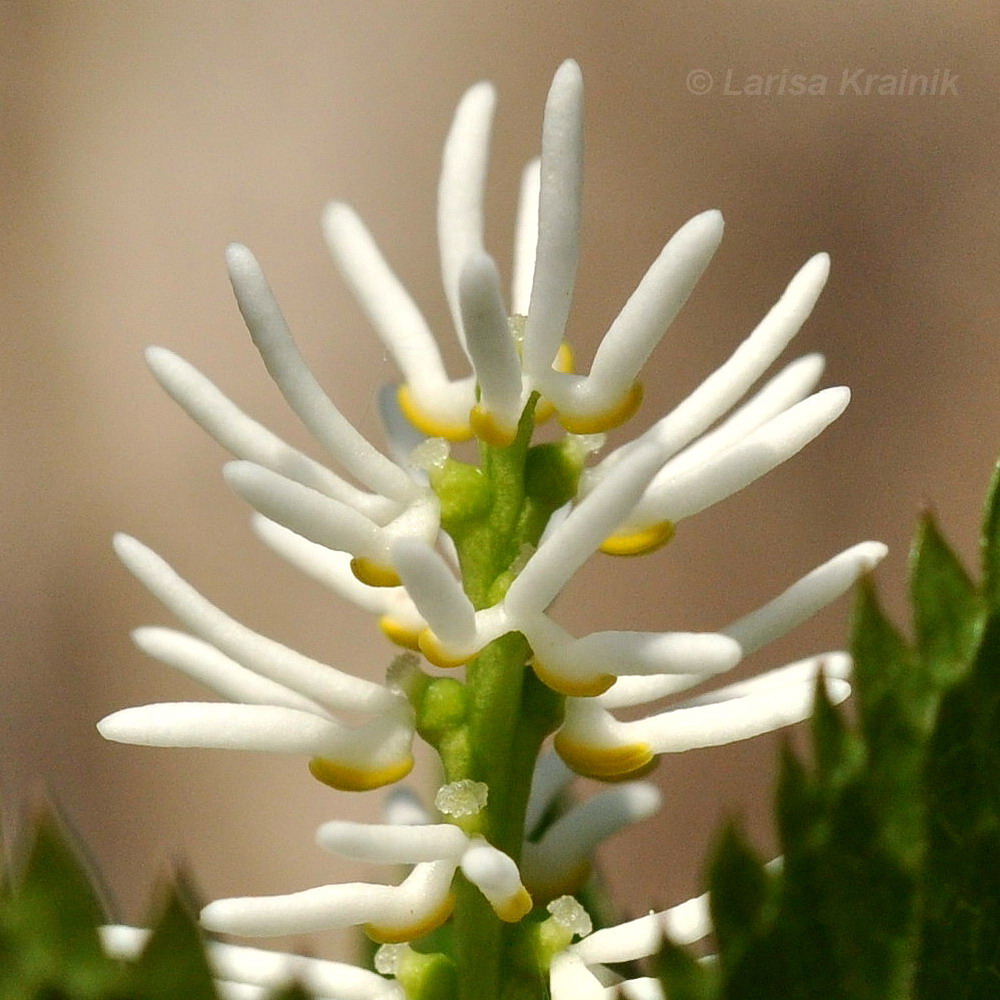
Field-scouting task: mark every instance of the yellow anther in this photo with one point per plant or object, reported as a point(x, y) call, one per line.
point(513, 909)
point(606, 763)
point(486, 427)
point(639, 543)
point(410, 932)
point(597, 423)
point(358, 779)
point(373, 573)
point(430, 646)
point(585, 687)
point(429, 425)
point(401, 635)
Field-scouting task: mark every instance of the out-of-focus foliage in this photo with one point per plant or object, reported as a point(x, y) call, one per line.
point(889, 887)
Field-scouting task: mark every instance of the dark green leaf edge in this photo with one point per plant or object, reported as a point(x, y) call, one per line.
point(890, 883)
point(50, 912)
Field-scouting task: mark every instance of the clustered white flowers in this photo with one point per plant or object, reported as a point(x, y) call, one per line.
point(462, 565)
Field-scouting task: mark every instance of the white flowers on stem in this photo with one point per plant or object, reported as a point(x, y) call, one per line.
point(370, 529)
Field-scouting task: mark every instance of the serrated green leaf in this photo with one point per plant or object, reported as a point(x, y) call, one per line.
point(738, 884)
point(960, 946)
point(173, 964)
point(989, 543)
point(48, 925)
point(683, 976)
point(947, 609)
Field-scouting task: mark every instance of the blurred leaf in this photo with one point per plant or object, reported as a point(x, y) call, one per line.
point(173, 963)
point(890, 882)
point(960, 943)
point(684, 976)
point(947, 609)
point(48, 924)
point(989, 544)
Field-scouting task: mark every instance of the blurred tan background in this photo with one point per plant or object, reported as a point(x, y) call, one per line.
point(139, 138)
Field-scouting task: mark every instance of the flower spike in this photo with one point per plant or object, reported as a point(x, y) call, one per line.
point(462, 564)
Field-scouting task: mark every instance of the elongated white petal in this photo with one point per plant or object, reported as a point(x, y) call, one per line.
point(268, 728)
point(573, 541)
point(564, 851)
point(436, 593)
point(393, 844)
point(491, 346)
point(721, 390)
point(570, 979)
point(247, 439)
point(403, 807)
point(614, 654)
point(306, 512)
point(315, 680)
point(550, 778)
point(460, 190)
point(395, 317)
point(218, 672)
point(333, 569)
point(638, 690)
point(835, 665)
point(642, 322)
point(497, 878)
point(411, 907)
point(676, 497)
point(525, 239)
point(266, 969)
point(711, 724)
point(685, 923)
point(299, 387)
point(803, 599)
point(791, 385)
point(558, 221)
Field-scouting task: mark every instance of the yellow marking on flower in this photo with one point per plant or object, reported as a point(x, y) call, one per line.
point(487, 428)
point(511, 910)
point(640, 543)
point(373, 573)
point(430, 646)
point(584, 687)
point(605, 763)
point(545, 892)
point(385, 934)
point(401, 635)
point(429, 425)
point(596, 423)
point(358, 779)
point(563, 363)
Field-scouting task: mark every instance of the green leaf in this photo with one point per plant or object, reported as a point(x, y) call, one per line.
point(173, 964)
point(960, 945)
point(48, 924)
point(684, 977)
point(989, 546)
point(947, 610)
point(738, 884)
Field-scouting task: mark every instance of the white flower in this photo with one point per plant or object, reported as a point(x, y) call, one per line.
point(280, 701)
point(243, 973)
point(594, 742)
point(509, 364)
point(420, 903)
point(556, 860)
point(281, 482)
